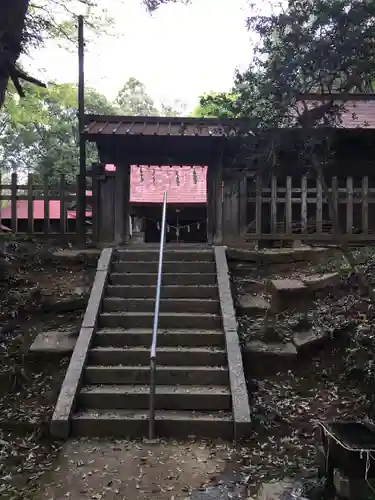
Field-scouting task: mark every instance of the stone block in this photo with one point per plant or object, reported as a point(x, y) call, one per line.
point(70, 256)
point(309, 340)
point(287, 285)
point(287, 293)
point(137, 238)
point(240, 399)
point(317, 282)
point(252, 304)
point(59, 305)
point(60, 423)
point(351, 488)
point(263, 358)
point(82, 290)
point(297, 244)
point(275, 490)
point(274, 349)
point(54, 342)
point(278, 256)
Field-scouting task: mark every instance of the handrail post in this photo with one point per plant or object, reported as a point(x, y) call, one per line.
point(151, 429)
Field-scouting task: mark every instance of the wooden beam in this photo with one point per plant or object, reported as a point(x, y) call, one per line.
point(243, 204)
point(127, 206)
point(120, 204)
point(219, 201)
point(365, 204)
point(211, 215)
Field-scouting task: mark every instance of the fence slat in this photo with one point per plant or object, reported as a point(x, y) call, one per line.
point(78, 184)
point(243, 205)
point(46, 205)
point(63, 214)
point(319, 206)
point(349, 205)
point(335, 201)
point(364, 223)
point(288, 205)
point(30, 203)
point(14, 222)
point(273, 204)
point(304, 203)
point(1, 199)
point(258, 206)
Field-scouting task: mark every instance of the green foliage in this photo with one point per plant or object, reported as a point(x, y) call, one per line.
point(178, 108)
point(39, 133)
point(323, 46)
point(152, 5)
point(216, 105)
point(133, 99)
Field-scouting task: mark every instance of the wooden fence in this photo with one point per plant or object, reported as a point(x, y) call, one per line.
point(291, 209)
point(34, 208)
point(298, 209)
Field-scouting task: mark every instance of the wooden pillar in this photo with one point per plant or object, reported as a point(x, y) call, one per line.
point(127, 210)
point(122, 205)
point(96, 171)
point(211, 175)
point(219, 191)
point(107, 213)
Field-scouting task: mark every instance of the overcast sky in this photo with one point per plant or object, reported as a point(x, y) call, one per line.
point(180, 52)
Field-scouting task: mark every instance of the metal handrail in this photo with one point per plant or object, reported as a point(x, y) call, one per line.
point(151, 429)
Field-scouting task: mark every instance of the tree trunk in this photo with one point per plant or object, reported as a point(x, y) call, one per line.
point(12, 23)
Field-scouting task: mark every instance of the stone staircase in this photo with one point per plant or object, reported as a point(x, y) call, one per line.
point(193, 391)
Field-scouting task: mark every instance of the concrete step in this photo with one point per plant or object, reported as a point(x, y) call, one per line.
point(169, 291)
point(166, 338)
point(166, 320)
point(167, 397)
point(168, 279)
point(165, 375)
point(133, 424)
point(118, 304)
point(167, 356)
point(152, 255)
point(168, 267)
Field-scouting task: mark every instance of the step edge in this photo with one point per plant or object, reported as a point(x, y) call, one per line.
point(166, 299)
point(218, 415)
point(162, 331)
point(160, 349)
point(144, 389)
point(164, 286)
point(181, 261)
point(161, 314)
point(146, 368)
point(164, 274)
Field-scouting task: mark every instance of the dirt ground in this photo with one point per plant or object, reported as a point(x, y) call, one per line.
point(29, 385)
point(129, 470)
point(288, 402)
